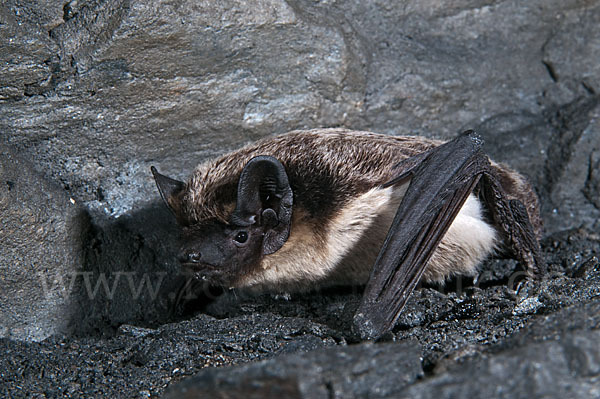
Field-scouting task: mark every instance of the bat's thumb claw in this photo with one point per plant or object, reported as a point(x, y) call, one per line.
point(475, 138)
point(365, 327)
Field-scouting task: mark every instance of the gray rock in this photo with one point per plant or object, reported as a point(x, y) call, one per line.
point(93, 92)
point(130, 272)
point(26, 52)
point(353, 372)
point(202, 80)
point(568, 55)
point(462, 327)
point(42, 233)
point(574, 195)
point(135, 83)
point(567, 367)
point(559, 154)
point(139, 361)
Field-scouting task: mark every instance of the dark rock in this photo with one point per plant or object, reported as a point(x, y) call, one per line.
point(567, 367)
point(558, 154)
point(130, 272)
point(133, 83)
point(142, 361)
point(94, 92)
point(27, 52)
point(463, 326)
point(42, 233)
point(491, 315)
point(352, 372)
point(568, 55)
point(573, 194)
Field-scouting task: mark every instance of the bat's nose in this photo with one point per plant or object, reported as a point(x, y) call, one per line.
point(190, 257)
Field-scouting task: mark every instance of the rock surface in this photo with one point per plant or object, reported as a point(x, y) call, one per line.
point(99, 90)
point(445, 336)
point(93, 92)
point(42, 234)
point(351, 372)
point(567, 367)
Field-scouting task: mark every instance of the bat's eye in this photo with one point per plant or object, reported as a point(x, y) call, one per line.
point(241, 237)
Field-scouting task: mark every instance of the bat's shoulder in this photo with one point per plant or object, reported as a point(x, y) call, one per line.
point(321, 150)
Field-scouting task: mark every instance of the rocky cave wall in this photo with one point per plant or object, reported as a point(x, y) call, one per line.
point(92, 93)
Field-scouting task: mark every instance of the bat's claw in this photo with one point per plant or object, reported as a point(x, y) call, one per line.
point(475, 138)
point(366, 327)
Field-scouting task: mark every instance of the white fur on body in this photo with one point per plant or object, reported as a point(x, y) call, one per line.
point(346, 254)
point(346, 169)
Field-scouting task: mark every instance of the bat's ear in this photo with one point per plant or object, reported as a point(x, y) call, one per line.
point(168, 188)
point(264, 196)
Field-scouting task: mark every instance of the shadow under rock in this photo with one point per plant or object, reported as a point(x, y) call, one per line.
point(131, 275)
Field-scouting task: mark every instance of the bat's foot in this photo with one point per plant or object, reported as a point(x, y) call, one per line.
point(365, 328)
point(440, 182)
point(370, 325)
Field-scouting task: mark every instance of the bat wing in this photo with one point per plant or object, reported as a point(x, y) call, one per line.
point(440, 182)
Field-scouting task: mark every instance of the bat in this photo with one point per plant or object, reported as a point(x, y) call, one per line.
point(323, 207)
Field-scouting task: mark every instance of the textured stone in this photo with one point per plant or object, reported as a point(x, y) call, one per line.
point(135, 83)
point(26, 51)
point(574, 197)
point(558, 151)
point(93, 92)
point(204, 78)
point(140, 361)
point(42, 232)
point(354, 372)
point(439, 333)
point(567, 367)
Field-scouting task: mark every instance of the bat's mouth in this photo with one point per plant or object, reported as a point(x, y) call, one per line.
point(212, 274)
point(196, 266)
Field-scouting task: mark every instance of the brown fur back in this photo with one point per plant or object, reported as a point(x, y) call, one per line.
point(326, 169)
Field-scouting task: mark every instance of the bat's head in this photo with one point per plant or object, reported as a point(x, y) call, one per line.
point(223, 252)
